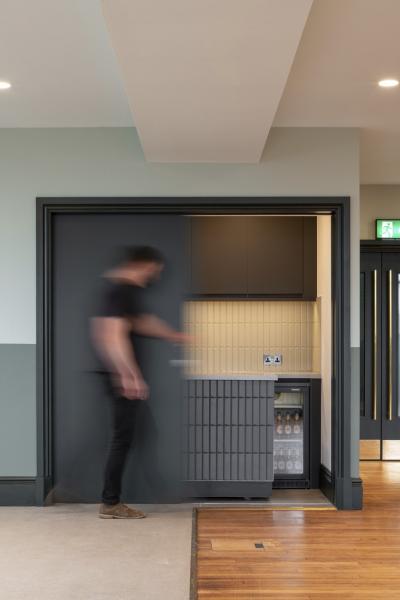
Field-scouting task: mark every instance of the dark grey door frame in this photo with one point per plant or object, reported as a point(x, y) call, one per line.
point(339, 484)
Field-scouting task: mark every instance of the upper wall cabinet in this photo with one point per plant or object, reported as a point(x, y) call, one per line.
point(219, 256)
point(270, 257)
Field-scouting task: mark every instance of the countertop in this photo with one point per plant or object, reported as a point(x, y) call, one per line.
point(186, 364)
point(255, 376)
point(310, 375)
point(234, 377)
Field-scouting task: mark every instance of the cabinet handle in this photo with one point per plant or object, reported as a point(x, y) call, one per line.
point(390, 337)
point(375, 326)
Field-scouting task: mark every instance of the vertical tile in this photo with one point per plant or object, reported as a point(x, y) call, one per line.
point(302, 339)
point(260, 312)
point(228, 312)
point(316, 360)
point(266, 312)
point(303, 312)
point(278, 313)
point(217, 367)
point(235, 356)
point(272, 312)
point(224, 312)
point(285, 335)
point(242, 312)
point(232, 336)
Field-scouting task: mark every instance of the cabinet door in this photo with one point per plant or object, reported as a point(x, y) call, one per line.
point(219, 260)
point(282, 256)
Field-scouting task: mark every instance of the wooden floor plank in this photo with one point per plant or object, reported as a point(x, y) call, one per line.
point(307, 554)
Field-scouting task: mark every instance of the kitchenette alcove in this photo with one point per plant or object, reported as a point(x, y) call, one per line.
point(289, 321)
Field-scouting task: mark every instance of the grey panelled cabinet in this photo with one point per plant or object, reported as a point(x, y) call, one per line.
point(254, 256)
point(228, 437)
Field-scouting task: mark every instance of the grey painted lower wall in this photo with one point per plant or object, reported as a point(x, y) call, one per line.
point(18, 410)
point(355, 411)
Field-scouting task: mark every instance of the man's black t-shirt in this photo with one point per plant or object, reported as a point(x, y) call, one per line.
point(119, 300)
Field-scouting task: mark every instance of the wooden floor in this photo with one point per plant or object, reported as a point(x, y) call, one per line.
point(307, 554)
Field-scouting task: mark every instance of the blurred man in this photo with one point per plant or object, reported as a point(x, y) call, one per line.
point(120, 316)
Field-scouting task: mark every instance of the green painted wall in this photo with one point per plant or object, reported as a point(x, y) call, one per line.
point(18, 410)
point(110, 162)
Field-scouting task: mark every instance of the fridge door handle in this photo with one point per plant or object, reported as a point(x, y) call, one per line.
point(375, 345)
point(390, 342)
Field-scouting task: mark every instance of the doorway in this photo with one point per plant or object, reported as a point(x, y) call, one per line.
point(380, 344)
point(338, 483)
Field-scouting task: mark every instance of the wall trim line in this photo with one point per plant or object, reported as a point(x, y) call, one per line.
point(357, 493)
point(17, 491)
point(326, 483)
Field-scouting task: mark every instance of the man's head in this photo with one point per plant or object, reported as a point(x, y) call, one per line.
point(143, 264)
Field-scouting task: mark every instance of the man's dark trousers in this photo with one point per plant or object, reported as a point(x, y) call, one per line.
point(124, 416)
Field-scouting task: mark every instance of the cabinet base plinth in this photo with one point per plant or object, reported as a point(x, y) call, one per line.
point(227, 489)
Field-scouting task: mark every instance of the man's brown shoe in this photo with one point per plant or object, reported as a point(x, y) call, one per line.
point(119, 511)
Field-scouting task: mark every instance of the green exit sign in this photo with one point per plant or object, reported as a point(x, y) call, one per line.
point(388, 229)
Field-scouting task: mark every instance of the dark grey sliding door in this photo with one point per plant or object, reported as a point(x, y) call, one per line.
point(84, 246)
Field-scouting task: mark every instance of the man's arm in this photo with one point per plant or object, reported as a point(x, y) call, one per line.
point(111, 339)
point(152, 326)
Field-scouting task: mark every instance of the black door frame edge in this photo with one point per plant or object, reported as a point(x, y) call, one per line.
point(338, 207)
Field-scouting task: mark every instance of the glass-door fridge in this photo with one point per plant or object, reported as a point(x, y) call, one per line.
point(291, 435)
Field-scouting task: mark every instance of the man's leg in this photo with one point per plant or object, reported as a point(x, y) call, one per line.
point(147, 440)
point(123, 419)
point(123, 424)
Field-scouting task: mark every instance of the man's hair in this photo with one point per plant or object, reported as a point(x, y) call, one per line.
point(137, 254)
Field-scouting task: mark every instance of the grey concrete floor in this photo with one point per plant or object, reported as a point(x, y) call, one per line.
point(65, 552)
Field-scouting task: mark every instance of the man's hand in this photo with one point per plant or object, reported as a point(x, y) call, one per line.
point(141, 388)
point(178, 337)
point(133, 388)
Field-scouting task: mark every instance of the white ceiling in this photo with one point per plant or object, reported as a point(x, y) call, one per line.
point(59, 58)
point(204, 78)
point(347, 46)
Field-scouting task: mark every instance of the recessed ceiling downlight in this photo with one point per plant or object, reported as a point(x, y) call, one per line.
point(4, 85)
point(388, 83)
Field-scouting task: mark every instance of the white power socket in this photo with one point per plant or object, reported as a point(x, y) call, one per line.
point(272, 360)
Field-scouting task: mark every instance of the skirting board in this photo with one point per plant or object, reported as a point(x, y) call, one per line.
point(325, 483)
point(17, 491)
point(349, 492)
point(357, 493)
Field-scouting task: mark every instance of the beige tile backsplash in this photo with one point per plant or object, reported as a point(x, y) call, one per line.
point(232, 336)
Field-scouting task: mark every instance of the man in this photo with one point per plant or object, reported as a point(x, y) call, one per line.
point(121, 314)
